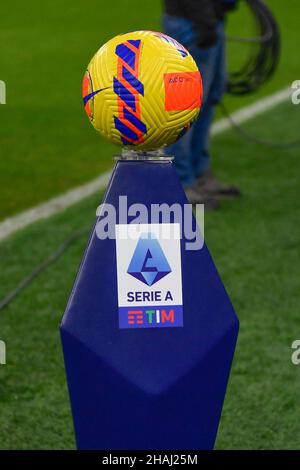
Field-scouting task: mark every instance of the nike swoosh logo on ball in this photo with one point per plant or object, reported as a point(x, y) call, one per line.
point(90, 95)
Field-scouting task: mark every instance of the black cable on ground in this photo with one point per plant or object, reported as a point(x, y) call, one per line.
point(258, 67)
point(252, 138)
point(42, 266)
point(264, 54)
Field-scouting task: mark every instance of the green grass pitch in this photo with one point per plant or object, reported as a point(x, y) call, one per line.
point(48, 146)
point(47, 143)
point(255, 244)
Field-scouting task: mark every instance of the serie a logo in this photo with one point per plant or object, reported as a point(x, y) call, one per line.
point(149, 276)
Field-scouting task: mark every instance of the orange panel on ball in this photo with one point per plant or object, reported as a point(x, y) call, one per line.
point(183, 90)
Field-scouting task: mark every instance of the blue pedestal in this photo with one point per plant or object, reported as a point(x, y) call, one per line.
point(147, 388)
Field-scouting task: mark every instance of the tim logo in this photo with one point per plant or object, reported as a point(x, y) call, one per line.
point(151, 317)
point(148, 263)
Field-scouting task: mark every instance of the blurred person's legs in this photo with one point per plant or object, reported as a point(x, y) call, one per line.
point(182, 29)
point(214, 80)
point(191, 152)
point(211, 63)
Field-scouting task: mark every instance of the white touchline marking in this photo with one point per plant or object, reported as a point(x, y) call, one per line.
point(254, 109)
point(53, 206)
point(65, 200)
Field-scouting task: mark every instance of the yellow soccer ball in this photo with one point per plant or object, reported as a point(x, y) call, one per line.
point(142, 90)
